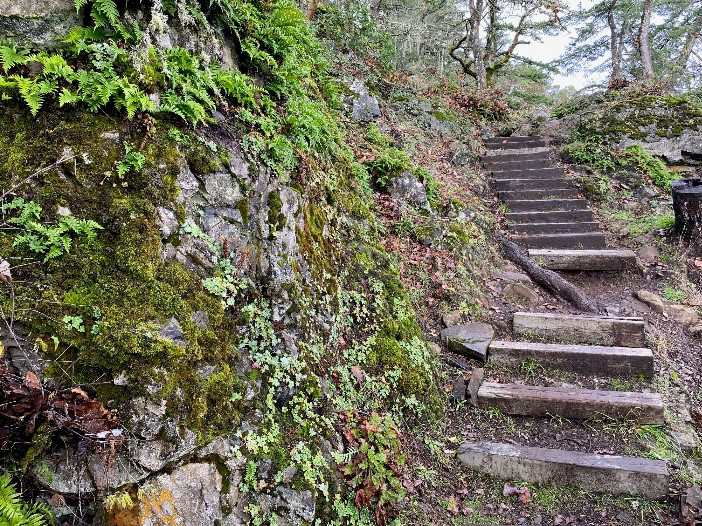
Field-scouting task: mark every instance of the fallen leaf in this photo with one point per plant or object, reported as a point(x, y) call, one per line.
point(358, 373)
point(5, 274)
point(452, 505)
point(32, 381)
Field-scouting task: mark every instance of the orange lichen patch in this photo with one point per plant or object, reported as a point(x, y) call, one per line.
point(156, 508)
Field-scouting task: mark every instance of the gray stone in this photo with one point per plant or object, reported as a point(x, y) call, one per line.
point(459, 389)
point(407, 187)
point(148, 417)
point(200, 318)
point(649, 254)
point(364, 107)
point(682, 314)
point(424, 106)
point(695, 330)
point(114, 473)
point(512, 277)
point(299, 506)
point(222, 189)
point(654, 302)
point(471, 339)
point(37, 24)
point(66, 473)
point(520, 294)
point(452, 318)
point(463, 157)
point(437, 125)
point(172, 332)
point(166, 222)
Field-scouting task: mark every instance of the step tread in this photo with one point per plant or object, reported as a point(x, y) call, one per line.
point(542, 173)
point(557, 216)
point(515, 145)
point(587, 329)
point(565, 240)
point(589, 359)
point(542, 205)
point(568, 402)
point(523, 151)
point(607, 259)
point(554, 228)
point(533, 184)
point(601, 473)
point(516, 156)
point(540, 193)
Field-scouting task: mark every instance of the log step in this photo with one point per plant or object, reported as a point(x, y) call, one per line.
point(560, 193)
point(541, 173)
point(515, 145)
point(584, 359)
point(496, 157)
point(523, 151)
point(614, 474)
point(546, 205)
point(574, 240)
point(581, 404)
point(592, 330)
point(580, 216)
point(519, 164)
point(532, 184)
point(584, 259)
point(518, 139)
point(553, 228)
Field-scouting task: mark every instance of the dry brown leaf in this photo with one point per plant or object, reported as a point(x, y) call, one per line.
point(32, 381)
point(452, 505)
point(5, 274)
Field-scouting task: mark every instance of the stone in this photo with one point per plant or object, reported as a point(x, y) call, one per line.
point(172, 332)
point(298, 506)
point(520, 294)
point(407, 187)
point(452, 318)
point(695, 330)
point(166, 221)
point(148, 417)
point(682, 314)
point(458, 392)
point(222, 189)
point(654, 301)
point(512, 277)
point(37, 24)
point(364, 107)
point(470, 339)
point(649, 254)
point(200, 318)
point(463, 157)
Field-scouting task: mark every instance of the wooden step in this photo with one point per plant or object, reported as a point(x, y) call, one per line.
point(523, 151)
point(513, 139)
point(614, 474)
point(560, 193)
point(553, 228)
point(571, 328)
point(532, 184)
point(520, 164)
point(580, 216)
point(568, 240)
point(540, 173)
point(515, 145)
point(496, 157)
point(584, 259)
point(544, 205)
point(568, 402)
point(584, 359)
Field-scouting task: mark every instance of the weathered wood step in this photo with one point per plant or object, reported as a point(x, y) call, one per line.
point(568, 402)
point(553, 228)
point(521, 164)
point(539, 173)
point(584, 259)
point(560, 193)
point(584, 359)
point(580, 216)
point(614, 474)
point(516, 156)
point(513, 139)
point(571, 328)
point(515, 145)
point(544, 205)
point(567, 240)
point(523, 151)
point(533, 184)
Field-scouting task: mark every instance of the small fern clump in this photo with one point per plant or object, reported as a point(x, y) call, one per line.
point(15, 512)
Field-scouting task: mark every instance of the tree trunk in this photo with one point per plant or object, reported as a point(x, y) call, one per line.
point(687, 205)
point(476, 16)
point(645, 42)
point(375, 7)
point(614, 46)
point(312, 9)
point(547, 278)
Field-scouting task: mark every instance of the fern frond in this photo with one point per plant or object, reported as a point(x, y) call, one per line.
point(10, 56)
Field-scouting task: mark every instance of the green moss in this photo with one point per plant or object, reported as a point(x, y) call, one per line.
point(276, 219)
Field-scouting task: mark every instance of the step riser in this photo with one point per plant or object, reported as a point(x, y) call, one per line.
point(513, 138)
point(523, 151)
point(516, 145)
point(577, 404)
point(566, 193)
point(592, 330)
point(581, 216)
point(546, 205)
point(591, 240)
point(518, 165)
point(582, 359)
point(553, 228)
point(594, 260)
point(532, 184)
point(544, 173)
point(515, 157)
point(597, 473)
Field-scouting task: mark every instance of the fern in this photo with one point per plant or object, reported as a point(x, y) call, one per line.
point(33, 91)
point(10, 56)
point(15, 512)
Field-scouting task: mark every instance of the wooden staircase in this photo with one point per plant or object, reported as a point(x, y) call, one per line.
point(547, 215)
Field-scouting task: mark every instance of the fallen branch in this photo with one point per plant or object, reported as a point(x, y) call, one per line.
point(547, 278)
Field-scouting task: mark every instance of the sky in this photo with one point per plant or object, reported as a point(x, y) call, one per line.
point(553, 46)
